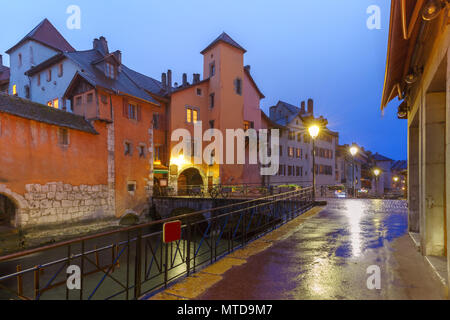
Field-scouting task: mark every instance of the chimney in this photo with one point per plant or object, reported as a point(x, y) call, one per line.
point(302, 108)
point(169, 80)
point(184, 79)
point(1, 60)
point(247, 67)
point(196, 78)
point(118, 55)
point(164, 80)
point(101, 45)
point(311, 106)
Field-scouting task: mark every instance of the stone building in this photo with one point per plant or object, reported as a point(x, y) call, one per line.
point(418, 73)
point(345, 174)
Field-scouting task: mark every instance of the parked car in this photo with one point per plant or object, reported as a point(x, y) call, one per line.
point(340, 194)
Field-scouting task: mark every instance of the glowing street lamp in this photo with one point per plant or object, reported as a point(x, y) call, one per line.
point(353, 152)
point(314, 133)
point(376, 172)
point(395, 179)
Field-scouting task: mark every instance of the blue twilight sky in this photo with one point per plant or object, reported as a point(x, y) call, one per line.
point(298, 49)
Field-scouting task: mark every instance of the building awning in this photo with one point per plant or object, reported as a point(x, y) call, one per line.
point(159, 168)
point(403, 32)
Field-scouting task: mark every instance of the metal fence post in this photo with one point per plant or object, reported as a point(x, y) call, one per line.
point(137, 266)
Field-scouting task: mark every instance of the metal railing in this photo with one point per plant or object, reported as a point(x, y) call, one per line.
point(246, 190)
point(127, 263)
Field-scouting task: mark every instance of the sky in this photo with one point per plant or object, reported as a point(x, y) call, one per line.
point(297, 49)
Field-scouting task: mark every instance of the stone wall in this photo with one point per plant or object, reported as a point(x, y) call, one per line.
point(58, 203)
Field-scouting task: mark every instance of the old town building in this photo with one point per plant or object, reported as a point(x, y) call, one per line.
point(418, 73)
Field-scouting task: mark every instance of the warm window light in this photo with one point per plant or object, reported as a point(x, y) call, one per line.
point(314, 131)
point(14, 89)
point(353, 151)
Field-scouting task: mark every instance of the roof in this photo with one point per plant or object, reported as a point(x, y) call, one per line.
point(403, 34)
point(270, 121)
point(128, 81)
point(34, 111)
point(293, 110)
point(247, 72)
point(48, 35)
point(226, 39)
point(399, 165)
point(379, 157)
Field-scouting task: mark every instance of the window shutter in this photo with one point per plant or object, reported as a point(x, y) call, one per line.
point(138, 110)
point(125, 107)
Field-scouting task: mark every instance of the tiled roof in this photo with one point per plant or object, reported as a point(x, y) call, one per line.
point(399, 165)
point(34, 111)
point(224, 38)
point(128, 81)
point(379, 157)
point(46, 34)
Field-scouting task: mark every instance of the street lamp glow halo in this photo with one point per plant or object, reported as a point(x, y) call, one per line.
point(314, 131)
point(353, 151)
point(377, 172)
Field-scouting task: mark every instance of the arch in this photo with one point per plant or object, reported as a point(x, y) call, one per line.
point(8, 211)
point(190, 177)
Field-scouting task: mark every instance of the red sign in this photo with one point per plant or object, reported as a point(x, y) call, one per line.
point(172, 231)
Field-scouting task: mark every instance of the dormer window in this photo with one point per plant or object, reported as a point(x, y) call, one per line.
point(110, 71)
point(20, 60)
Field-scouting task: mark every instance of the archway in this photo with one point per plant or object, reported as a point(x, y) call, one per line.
point(189, 178)
point(7, 211)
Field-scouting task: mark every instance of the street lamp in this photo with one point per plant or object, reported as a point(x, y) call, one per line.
point(376, 172)
point(353, 152)
point(314, 133)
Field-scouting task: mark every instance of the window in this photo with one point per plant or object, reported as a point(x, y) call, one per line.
point(291, 135)
point(157, 154)
point(238, 86)
point(141, 149)
point(291, 152)
point(20, 60)
point(78, 101)
point(31, 56)
point(110, 71)
point(299, 153)
point(63, 136)
point(211, 124)
point(199, 91)
point(132, 111)
point(127, 151)
point(56, 103)
point(131, 187)
point(211, 100)
point(289, 170)
point(90, 97)
point(104, 99)
point(299, 137)
point(156, 121)
point(39, 79)
point(27, 91)
point(212, 69)
point(191, 115)
point(249, 125)
point(60, 70)
point(49, 75)
point(15, 90)
point(281, 151)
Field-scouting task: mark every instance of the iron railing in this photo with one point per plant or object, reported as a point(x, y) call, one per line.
point(127, 263)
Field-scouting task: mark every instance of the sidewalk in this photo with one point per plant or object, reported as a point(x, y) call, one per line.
point(323, 254)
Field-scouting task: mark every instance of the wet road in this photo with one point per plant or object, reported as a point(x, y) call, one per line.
point(327, 258)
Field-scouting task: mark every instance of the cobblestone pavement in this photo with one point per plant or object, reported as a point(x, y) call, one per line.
point(327, 257)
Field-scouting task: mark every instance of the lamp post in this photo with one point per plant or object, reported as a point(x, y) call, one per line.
point(353, 152)
point(314, 132)
point(376, 172)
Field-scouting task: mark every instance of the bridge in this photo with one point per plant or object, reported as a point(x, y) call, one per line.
point(130, 262)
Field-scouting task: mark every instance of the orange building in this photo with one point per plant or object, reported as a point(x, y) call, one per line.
point(227, 98)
